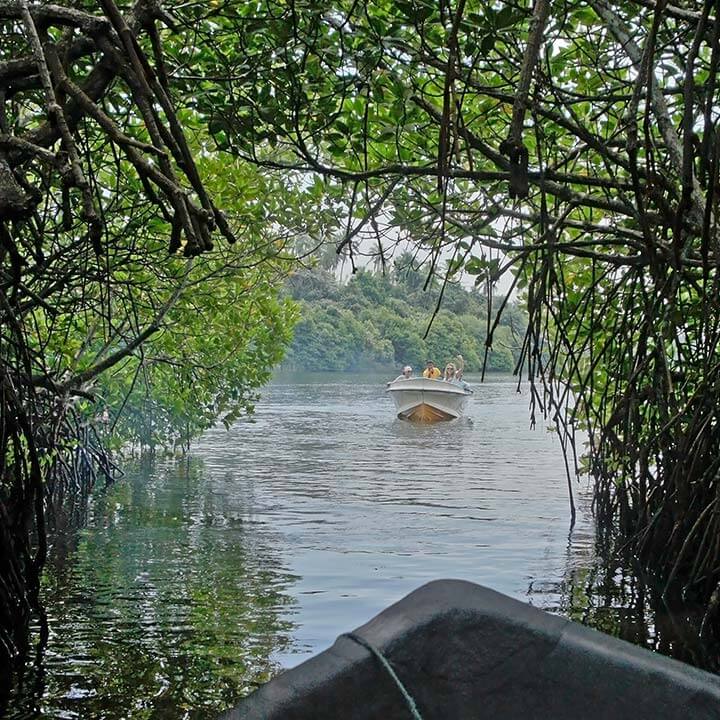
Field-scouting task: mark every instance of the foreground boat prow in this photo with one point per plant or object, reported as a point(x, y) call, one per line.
point(453, 649)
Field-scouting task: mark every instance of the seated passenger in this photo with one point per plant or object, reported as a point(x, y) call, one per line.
point(449, 372)
point(431, 371)
point(405, 375)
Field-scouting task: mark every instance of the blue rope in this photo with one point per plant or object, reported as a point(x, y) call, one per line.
point(412, 707)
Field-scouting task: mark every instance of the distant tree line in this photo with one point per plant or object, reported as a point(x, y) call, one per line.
point(378, 320)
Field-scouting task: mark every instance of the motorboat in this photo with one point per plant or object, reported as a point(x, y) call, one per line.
point(426, 400)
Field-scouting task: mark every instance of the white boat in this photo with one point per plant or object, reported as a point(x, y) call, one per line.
point(425, 400)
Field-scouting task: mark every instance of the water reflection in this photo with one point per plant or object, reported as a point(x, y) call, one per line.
point(195, 581)
point(371, 507)
point(167, 606)
point(609, 591)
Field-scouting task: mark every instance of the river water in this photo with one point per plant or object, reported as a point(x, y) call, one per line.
point(194, 581)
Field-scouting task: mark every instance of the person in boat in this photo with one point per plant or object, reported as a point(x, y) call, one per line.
point(406, 374)
point(453, 376)
point(449, 375)
point(459, 367)
point(431, 371)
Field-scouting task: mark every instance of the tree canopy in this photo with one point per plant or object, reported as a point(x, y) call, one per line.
point(115, 300)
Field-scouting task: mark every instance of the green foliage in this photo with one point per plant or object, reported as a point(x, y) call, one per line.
point(207, 364)
point(192, 343)
point(384, 120)
point(376, 321)
point(329, 337)
point(215, 324)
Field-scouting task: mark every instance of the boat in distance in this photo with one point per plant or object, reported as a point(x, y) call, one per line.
point(427, 400)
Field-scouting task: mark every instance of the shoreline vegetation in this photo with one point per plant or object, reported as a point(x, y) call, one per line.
point(382, 321)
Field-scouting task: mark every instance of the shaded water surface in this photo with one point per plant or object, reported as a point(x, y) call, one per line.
point(195, 581)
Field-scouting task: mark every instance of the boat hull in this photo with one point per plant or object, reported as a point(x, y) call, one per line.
point(425, 400)
point(465, 652)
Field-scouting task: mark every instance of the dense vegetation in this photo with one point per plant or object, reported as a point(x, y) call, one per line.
point(216, 348)
point(378, 320)
point(120, 318)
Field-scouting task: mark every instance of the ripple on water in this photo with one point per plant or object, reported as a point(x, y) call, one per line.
point(196, 581)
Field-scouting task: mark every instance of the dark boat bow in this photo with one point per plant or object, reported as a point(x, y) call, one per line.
point(463, 652)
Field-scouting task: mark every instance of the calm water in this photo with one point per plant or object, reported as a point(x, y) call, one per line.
point(195, 581)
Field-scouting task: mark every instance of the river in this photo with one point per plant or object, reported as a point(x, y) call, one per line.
point(195, 580)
